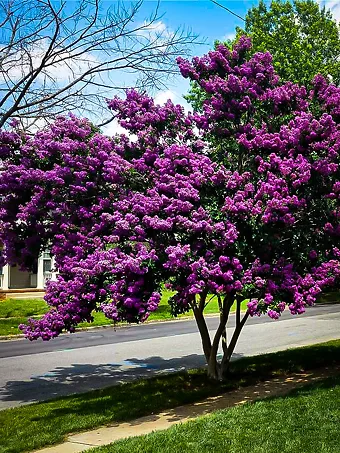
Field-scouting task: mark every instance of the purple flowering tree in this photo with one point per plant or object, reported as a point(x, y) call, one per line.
point(239, 201)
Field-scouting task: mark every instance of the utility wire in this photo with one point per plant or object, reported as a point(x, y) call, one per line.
point(227, 9)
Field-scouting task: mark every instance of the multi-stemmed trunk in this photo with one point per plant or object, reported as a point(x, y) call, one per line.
point(219, 369)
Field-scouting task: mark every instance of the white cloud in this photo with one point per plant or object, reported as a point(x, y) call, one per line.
point(155, 30)
point(36, 125)
point(333, 5)
point(113, 128)
point(58, 71)
point(162, 97)
point(176, 96)
point(156, 27)
point(335, 9)
point(228, 36)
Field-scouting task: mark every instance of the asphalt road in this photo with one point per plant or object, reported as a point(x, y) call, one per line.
point(98, 358)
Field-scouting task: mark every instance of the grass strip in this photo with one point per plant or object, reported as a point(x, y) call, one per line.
point(9, 326)
point(16, 311)
point(34, 426)
point(307, 421)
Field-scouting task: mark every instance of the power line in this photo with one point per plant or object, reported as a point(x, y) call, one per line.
point(227, 9)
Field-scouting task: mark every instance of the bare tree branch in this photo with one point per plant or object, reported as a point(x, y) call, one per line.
point(55, 59)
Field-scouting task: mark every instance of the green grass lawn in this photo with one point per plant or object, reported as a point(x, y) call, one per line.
point(34, 426)
point(19, 308)
point(305, 421)
point(16, 311)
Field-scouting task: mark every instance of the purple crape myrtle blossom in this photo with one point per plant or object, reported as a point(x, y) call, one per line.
point(240, 200)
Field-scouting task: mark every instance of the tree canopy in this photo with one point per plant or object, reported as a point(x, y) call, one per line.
point(239, 201)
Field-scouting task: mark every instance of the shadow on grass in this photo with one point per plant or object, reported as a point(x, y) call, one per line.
point(280, 389)
point(323, 384)
point(332, 297)
point(265, 366)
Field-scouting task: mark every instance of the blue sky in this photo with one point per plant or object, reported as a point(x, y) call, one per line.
point(203, 17)
point(210, 21)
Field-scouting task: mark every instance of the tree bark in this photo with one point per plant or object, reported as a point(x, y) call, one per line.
point(218, 371)
point(225, 364)
point(213, 365)
point(214, 368)
point(204, 332)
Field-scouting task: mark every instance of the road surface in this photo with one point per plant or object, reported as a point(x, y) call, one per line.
point(92, 359)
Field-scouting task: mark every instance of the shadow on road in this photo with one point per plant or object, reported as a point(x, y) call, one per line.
point(78, 378)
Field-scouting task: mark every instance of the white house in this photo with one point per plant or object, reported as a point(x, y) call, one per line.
point(12, 279)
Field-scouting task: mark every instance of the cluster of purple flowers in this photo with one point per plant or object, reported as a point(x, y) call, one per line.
point(241, 199)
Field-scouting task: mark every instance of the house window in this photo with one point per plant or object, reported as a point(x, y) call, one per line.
point(47, 261)
point(47, 265)
point(46, 255)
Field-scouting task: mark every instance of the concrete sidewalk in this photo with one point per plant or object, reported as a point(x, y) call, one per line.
point(105, 435)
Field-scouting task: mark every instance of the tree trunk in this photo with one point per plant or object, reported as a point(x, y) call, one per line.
point(218, 371)
point(214, 368)
point(204, 332)
point(225, 363)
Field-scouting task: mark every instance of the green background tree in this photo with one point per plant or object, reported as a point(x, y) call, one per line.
point(303, 39)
